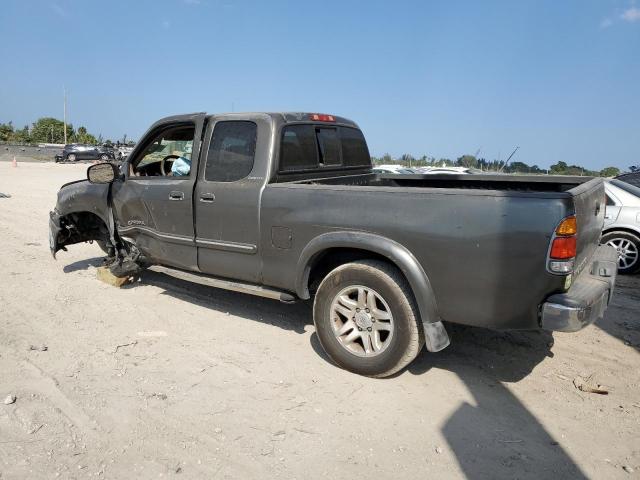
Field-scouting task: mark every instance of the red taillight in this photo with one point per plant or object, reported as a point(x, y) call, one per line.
point(563, 248)
point(321, 117)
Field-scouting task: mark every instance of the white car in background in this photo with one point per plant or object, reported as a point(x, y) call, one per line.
point(622, 223)
point(451, 170)
point(397, 169)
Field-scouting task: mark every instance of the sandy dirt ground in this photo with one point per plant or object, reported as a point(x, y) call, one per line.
point(164, 378)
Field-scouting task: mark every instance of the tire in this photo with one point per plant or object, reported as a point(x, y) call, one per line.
point(404, 336)
point(71, 157)
point(104, 157)
point(628, 247)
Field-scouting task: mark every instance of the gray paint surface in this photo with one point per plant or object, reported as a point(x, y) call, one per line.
point(474, 248)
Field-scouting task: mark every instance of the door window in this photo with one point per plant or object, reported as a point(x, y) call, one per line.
point(231, 151)
point(168, 154)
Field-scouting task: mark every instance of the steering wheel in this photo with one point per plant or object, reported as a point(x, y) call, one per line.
point(163, 163)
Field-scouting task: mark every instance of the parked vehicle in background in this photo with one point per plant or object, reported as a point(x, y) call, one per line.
point(397, 169)
point(632, 178)
point(75, 151)
point(449, 170)
point(286, 206)
point(123, 152)
point(622, 223)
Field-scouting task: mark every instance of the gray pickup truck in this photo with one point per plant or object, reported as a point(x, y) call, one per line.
point(286, 206)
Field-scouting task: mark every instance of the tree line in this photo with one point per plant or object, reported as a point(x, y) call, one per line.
point(470, 161)
point(50, 130)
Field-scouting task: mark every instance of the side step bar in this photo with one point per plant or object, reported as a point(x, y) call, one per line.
point(208, 281)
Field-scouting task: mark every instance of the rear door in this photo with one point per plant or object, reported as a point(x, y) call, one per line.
point(227, 196)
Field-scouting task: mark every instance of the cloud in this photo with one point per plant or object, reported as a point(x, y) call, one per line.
point(59, 10)
point(606, 23)
point(631, 14)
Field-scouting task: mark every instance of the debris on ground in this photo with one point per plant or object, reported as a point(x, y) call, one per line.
point(39, 348)
point(628, 469)
point(105, 275)
point(10, 399)
point(4, 195)
point(159, 396)
point(135, 342)
point(585, 385)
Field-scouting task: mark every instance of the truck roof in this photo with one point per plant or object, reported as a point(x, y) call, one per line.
point(283, 117)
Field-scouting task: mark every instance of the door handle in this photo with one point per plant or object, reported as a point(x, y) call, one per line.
point(176, 195)
point(207, 197)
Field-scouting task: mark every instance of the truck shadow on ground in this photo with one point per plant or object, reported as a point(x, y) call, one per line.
point(84, 264)
point(292, 317)
point(498, 437)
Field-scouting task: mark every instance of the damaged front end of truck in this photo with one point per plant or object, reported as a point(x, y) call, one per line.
point(83, 213)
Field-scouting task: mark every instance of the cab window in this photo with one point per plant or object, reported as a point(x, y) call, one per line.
point(231, 151)
point(308, 147)
point(168, 154)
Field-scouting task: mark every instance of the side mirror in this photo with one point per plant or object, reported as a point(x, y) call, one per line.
point(102, 173)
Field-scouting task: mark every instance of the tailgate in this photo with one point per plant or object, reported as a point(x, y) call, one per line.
point(589, 204)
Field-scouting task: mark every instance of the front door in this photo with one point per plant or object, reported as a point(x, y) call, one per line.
point(154, 204)
point(227, 200)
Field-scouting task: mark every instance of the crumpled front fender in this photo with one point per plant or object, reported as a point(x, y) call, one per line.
point(81, 214)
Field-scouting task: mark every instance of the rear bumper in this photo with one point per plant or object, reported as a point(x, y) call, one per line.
point(588, 297)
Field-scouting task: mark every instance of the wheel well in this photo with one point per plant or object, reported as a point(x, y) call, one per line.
point(621, 229)
point(331, 258)
point(80, 227)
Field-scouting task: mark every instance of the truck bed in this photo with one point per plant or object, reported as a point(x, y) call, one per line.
point(521, 183)
point(472, 234)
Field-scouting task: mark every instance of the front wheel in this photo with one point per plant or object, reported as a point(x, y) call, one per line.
point(628, 247)
point(366, 318)
point(104, 157)
point(71, 157)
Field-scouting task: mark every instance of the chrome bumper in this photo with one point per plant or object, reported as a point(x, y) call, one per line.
point(588, 297)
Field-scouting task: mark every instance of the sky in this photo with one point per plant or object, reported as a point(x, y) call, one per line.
point(558, 78)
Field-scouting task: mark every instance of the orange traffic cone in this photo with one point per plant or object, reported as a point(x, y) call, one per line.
point(14, 164)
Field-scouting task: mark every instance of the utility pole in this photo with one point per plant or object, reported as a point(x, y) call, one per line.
point(65, 115)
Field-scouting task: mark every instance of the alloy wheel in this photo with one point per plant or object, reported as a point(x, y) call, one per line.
point(362, 321)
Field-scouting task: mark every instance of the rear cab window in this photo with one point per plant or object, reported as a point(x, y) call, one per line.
point(313, 148)
point(231, 151)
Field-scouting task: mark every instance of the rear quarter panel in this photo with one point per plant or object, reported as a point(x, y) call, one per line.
point(483, 251)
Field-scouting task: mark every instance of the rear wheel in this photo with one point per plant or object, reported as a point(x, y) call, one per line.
point(628, 247)
point(366, 318)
